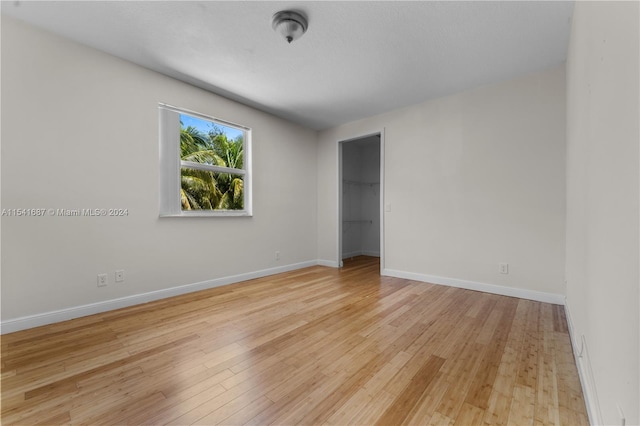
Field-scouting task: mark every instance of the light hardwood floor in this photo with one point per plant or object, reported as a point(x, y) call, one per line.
point(314, 346)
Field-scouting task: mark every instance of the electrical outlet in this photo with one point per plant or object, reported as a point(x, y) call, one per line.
point(120, 275)
point(581, 349)
point(503, 268)
point(102, 280)
point(277, 255)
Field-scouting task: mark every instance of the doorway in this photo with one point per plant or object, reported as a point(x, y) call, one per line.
point(360, 197)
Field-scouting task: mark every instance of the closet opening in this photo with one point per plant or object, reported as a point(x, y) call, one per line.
point(360, 197)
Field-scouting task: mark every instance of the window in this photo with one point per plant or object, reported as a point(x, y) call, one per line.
point(204, 165)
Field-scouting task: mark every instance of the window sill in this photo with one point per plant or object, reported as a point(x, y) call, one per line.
point(208, 214)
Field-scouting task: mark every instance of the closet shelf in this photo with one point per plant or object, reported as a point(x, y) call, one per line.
point(355, 182)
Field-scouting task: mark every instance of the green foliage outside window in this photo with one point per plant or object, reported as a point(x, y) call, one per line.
point(211, 190)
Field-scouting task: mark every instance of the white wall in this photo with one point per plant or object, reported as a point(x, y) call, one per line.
point(80, 130)
point(602, 204)
point(473, 180)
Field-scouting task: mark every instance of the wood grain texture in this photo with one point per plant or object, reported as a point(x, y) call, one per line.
point(313, 346)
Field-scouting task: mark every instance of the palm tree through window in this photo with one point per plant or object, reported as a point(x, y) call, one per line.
point(208, 143)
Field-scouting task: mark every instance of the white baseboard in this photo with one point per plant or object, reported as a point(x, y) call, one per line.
point(351, 254)
point(31, 321)
point(538, 296)
point(360, 253)
point(581, 356)
point(370, 253)
point(329, 263)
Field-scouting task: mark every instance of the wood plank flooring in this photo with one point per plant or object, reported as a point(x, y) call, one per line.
point(314, 346)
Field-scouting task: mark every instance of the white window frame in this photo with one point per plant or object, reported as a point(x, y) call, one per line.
point(171, 163)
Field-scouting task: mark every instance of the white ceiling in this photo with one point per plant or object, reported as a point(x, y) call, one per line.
point(357, 59)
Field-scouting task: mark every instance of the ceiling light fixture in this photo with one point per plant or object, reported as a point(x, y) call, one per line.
point(291, 25)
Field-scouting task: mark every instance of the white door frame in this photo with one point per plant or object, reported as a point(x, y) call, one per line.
point(339, 192)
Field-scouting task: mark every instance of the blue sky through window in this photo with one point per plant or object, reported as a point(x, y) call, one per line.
point(204, 126)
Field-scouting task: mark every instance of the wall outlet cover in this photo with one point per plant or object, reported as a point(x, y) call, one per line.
point(102, 280)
